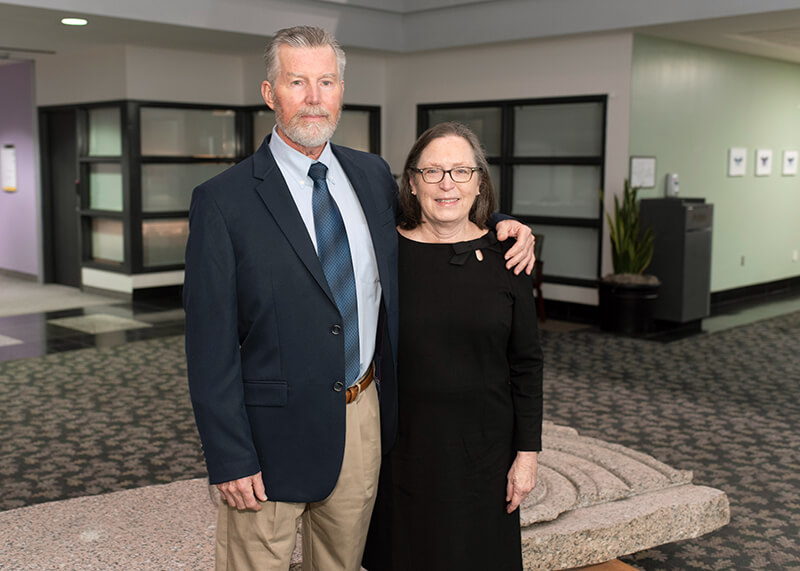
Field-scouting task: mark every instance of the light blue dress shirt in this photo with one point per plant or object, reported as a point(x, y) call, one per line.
point(294, 167)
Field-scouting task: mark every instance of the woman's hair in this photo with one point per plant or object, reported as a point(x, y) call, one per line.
point(484, 205)
point(300, 37)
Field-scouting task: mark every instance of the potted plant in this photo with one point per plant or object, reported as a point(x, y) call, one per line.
point(628, 295)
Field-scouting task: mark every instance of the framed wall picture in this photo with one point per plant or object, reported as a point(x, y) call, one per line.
point(643, 172)
point(763, 162)
point(737, 161)
point(789, 163)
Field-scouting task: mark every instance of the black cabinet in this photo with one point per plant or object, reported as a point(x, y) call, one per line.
point(682, 259)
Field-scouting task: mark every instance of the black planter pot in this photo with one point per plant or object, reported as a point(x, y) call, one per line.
point(627, 308)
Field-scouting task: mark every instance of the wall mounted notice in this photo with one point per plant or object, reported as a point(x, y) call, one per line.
point(8, 168)
point(643, 172)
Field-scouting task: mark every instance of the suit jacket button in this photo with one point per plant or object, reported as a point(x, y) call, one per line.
point(338, 386)
point(336, 329)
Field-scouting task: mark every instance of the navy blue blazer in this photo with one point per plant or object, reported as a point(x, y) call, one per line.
point(262, 351)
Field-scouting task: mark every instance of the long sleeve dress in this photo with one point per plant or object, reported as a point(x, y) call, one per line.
point(470, 396)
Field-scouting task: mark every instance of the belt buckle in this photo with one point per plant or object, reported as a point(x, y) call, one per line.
point(357, 386)
point(358, 393)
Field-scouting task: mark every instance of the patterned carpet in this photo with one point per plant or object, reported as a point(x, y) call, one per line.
point(725, 405)
point(92, 421)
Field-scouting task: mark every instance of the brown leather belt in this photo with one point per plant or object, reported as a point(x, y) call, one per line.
point(352, 393)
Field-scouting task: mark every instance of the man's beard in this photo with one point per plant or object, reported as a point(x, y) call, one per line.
point(313, 134)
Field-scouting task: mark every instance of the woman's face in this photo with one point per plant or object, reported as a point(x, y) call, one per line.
point(446, 202)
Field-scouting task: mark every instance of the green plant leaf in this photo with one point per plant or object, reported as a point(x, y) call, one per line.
point(631, 247)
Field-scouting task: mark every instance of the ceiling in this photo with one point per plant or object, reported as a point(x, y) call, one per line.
point(27, 31)
point(407, 6)
point(775, 35)
point(30, 30)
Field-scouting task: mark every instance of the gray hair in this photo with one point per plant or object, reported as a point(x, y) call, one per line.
point(300, 37)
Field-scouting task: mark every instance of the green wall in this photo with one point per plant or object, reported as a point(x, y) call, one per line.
point(689, 105)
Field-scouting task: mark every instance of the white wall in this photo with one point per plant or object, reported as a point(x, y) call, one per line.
point(365, 78)
point(154, 74)
point(135, 72)
point(81, 76)
point(180, 76)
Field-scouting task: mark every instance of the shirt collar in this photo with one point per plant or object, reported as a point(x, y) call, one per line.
point(295, 162)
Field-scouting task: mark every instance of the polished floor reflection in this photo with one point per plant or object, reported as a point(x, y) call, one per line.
point(38, 334)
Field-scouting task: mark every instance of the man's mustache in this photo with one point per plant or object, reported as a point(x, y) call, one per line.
point(313, 110)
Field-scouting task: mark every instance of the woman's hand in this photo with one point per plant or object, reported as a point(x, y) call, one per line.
point(521, 478)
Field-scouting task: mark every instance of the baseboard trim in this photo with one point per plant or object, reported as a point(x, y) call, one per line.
point(571, 311)
point(106, 292)
point(720, 301)
point(174, 292)
point(19, 275)
point(725, 298)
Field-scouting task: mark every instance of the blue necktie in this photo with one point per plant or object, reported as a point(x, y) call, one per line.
point(333, 250)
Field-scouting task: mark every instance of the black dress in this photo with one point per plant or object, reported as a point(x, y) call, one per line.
point(470, 396)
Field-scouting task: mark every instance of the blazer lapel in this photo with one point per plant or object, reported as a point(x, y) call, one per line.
point(278, 200)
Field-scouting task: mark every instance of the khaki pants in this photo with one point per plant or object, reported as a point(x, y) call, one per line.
point(334, 529)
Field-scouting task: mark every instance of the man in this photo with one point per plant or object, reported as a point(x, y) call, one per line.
point(291, 323)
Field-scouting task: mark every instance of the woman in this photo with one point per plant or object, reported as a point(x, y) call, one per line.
point(470, 366)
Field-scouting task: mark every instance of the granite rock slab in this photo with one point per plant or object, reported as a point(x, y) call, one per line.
point(169, 526)
point(593, 502)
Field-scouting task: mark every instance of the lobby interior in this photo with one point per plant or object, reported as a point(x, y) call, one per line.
point(92, 375)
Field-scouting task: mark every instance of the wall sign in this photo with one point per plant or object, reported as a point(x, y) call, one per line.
point(8, 168)
point(643, 172)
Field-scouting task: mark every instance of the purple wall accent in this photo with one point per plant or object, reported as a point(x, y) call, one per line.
point(19, 215)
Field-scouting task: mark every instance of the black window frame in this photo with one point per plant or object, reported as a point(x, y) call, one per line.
point(131, 162)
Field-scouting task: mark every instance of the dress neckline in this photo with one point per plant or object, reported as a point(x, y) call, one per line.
point(462, 250)
point(486, 239)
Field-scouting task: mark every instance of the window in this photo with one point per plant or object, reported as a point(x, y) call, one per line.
point(102, 185)
point(174, 132)
point(546, 160)
point(140, 161)
point(180, 147)
point(139, 165)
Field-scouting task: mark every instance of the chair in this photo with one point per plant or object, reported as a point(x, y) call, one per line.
point(536, 275)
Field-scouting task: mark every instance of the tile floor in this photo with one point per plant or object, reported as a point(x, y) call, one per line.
point(103, 322)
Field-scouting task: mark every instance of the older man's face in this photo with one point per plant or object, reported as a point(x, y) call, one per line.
point(306, 96)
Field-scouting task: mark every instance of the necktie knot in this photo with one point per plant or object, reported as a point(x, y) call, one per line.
point(317, 172)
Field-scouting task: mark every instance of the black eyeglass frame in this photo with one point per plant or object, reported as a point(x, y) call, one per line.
point(449, 171)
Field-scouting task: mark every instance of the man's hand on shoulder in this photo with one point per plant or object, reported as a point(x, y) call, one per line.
point(520, 256)
point(244, 493)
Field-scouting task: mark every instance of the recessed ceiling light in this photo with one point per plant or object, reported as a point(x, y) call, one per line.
point(74, 21)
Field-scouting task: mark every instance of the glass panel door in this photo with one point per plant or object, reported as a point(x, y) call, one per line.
point(560, 130)
point(188, 132)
